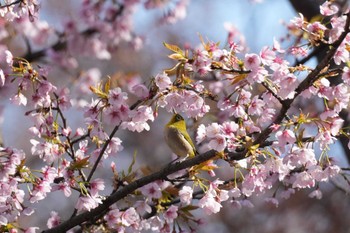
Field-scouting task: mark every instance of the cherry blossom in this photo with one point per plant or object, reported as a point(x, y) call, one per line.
point(255, 132)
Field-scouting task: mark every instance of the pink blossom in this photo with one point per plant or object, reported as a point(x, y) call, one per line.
point(202, 64)
point(8, 57)
point(49, 173)
point(235, 193)
point(300, 157)
point(201, 133)
point(341, 55)
point(176, 13)
point(163, 81)
point(244, 97)
point(92, 110)
point(171, 213)
point(213, 130)
point(45, 88)
point(40, 191)
point(209, 204)
point(116, 114)
point(256, 106)
point(303, 180)
point(346, 75)
point(140, 116)
point(114, 146)
point(173, 101)
point(54, 220)
point(150, 4)
point(142, 207)
point(65, 187)
point(237, 111)
point(331, 171)
point(316, 194)
point(328, 8)
point(234, 35)
point(247, 203)
point(48, 152)
point(116, 97)
point(272, 201)
point(278, 166)
point(67, 131)
point(287, 193)
point(80, 153)
point(130, 217)
point(255, 181)
point(335, 125)
point(3, 220)
point(151, 190)
point(285, 137)
point(19, 99)
point(267, 55)
point(96, 185)
point(186, 195)
point(316, 28)
point(229, 128)
point(113, 218)
point(277, 45)
point(257, 75)
point(31, 230)
point(299, 51)
point(338, 24)
point(218, 143)
point(185, 101)
point(87, 79)
point(140, 91)
point(2, 78)
point(87, 203)
point(325, 138)
point(97, 48)
point(252, 61)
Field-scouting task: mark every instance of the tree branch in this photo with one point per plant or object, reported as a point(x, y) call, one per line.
point(128, 189)
point(306, 83)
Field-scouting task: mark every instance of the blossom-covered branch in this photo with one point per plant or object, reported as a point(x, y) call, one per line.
point(255, 134)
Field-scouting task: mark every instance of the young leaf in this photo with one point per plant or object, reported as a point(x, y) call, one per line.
point(132, 162)
point(173, 48)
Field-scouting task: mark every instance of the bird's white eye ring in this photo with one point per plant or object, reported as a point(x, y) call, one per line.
point(178, 117)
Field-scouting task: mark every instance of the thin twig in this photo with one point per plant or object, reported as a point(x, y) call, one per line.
point(11, 4)
point(130, 188)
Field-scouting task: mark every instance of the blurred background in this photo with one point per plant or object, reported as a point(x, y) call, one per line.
point(259, 23)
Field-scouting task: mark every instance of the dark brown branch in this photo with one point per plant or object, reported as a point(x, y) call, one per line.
point(306, 83)
point(33, 56)
point(11, 4)
point(314, 53)
point(61, 44)
point(130, 188)
point(105, 145)
point(172, 168)
point(310, 9)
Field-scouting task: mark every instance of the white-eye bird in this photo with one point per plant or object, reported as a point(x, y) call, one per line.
point(177, 137)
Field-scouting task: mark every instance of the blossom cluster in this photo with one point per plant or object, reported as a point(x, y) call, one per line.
point(245, 107)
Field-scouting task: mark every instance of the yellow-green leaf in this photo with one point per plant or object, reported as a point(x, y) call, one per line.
point(98, 92)
point(107, 85)
point(81, 163)
point(172, 71)
point(177, 56)
point(132, 162)
point(173, 48)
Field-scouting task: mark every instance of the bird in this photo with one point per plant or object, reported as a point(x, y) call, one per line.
point(177, 137)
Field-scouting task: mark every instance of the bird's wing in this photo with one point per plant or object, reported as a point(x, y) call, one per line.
point(188, 138)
